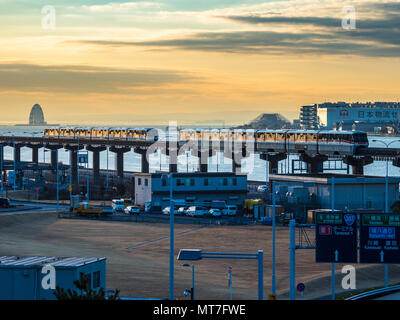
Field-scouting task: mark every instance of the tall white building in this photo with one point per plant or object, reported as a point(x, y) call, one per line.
point(370, 116)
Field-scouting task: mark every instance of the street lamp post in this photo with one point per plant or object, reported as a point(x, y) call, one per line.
point(107, 170)
point(192, 289)
point(1, 169)
point(197, 254)
point(70, 181)
point(386, 195)
point(171, 235)
point(87, 174)
point(273, 280)
point(15, 171)
point(58, 188)
point(387, 174)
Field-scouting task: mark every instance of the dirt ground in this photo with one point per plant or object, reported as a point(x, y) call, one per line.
point(138, 256)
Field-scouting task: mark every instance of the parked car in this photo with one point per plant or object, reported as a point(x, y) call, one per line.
point(132, 210)
point(118, 205)
point(262, 188)
point(215, 212)
point(182, 210)
point(197, 211)
point(230, 210)
point(166, 211)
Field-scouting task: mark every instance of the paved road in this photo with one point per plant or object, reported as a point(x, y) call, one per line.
point(393, 296)
point(33, 206)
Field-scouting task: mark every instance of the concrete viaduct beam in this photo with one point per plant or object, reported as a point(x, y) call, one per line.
point(315, 163)
point(357, 163)
point(273, 160)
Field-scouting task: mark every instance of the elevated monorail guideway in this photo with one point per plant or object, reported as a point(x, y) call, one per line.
point(313, 146)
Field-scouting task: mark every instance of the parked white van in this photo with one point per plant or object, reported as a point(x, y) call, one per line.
point(196, 211)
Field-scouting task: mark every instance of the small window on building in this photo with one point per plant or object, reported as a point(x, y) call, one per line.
point(88, 278)
point(139, 181)
point(206, 182)
point(234, 181)
point(192, 182)
point(146, 182)
point(164, 182)
point(96, 278)
point(225, 181)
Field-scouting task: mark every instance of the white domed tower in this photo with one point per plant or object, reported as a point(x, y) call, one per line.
point(36, 117)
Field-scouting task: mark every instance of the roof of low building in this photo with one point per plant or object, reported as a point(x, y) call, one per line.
point(40, 261)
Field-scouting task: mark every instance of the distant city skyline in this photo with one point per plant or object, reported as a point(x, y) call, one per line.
point(121, 62)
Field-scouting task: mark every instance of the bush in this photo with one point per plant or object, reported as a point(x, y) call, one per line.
point(84, 292)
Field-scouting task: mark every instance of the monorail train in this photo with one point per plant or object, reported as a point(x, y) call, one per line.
point(314, 141)
point(145, 134)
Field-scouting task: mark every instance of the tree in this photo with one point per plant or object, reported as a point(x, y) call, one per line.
point(121, 189)
point(84, 291)
point(395, 207)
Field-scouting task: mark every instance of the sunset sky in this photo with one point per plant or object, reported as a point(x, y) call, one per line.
point(196, 62)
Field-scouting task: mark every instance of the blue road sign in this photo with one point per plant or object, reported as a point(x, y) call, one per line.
point(379, 238)
point(83, 158)
point(336, 237)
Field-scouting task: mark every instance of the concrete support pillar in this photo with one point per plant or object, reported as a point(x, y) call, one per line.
point(237, 163)
point(119, 160)
point(315, 164)
point(145, 165)
point(53, 154)
point(273, 160)
point(73, 162)
point(357, 163)
point(35, 154)
point(172, 152)
point(173, 167)
point(54, 157)
point(96, 162)
point(17, 152)
point(203, 160)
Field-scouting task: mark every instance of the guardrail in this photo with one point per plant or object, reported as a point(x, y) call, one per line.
point(371, 294)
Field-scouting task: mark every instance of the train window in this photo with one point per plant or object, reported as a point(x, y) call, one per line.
point(280, 136)
point(301, 137)
point(311, 136)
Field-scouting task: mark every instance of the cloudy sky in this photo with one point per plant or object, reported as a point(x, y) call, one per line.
point(217, 61)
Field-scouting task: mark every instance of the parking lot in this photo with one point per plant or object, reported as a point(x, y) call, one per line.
point(138, 255)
